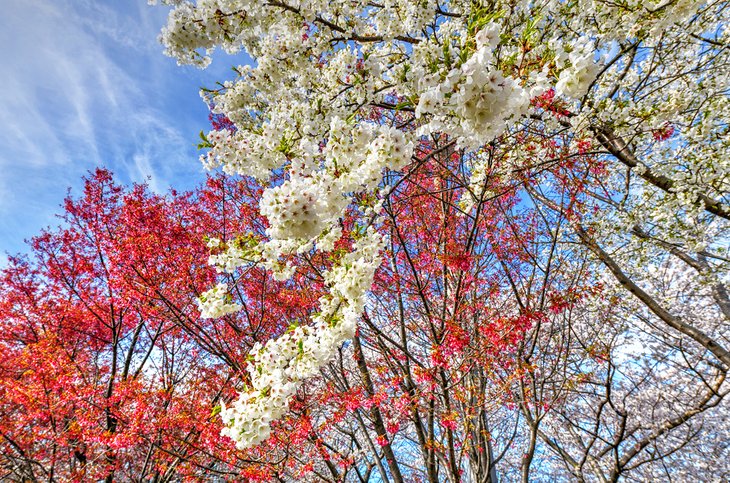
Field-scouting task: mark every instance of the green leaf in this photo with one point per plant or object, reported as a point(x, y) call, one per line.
point(206, 143)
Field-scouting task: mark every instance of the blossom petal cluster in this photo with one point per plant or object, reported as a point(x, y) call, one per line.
point(576, 78)
point(216, 302)
point(475, 101)
point(281, 365)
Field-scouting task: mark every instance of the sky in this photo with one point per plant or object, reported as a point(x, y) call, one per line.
point(84, 83)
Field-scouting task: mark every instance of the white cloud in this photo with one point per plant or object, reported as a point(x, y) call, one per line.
point(85, 84)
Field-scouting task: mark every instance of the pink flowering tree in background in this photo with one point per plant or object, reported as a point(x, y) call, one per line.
point(469, 241)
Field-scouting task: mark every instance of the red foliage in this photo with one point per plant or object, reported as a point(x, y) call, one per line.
point(663, 133)
point(105, 366)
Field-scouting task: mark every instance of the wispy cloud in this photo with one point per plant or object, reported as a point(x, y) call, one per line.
point(85, 84)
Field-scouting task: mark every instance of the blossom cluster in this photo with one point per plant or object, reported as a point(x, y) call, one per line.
point(281, 365)
point(226, 258)
point(577, 77)
point(294, 209)
point(216, 302)
point(312, 200)
point(475, 101)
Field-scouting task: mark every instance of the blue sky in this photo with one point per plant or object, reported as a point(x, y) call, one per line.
point(85, 84)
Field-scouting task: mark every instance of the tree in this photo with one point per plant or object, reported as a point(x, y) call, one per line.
point(107, 369)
